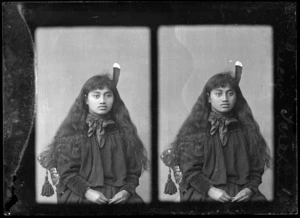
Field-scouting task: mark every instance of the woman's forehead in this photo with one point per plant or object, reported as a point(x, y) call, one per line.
point(101, 89)
point(224, 87)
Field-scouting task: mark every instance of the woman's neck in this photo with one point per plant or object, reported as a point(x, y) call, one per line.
point(224, 114)
point(99, 116)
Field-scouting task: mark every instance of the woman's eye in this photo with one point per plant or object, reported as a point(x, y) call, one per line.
point(109, 95)
point(218, 93)
point(96, 96)
point(230, 93)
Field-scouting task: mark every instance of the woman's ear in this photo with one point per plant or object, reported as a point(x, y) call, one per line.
point(208, 97)
point(86, 99)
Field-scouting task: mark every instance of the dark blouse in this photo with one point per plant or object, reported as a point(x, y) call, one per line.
point(209, 162)
point(88, 165)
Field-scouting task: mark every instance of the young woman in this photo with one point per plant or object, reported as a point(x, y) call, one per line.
point(219, 149)
point(96, 155)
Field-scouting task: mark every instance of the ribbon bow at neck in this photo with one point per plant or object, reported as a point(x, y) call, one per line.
point(96, 125)
point(220, 122)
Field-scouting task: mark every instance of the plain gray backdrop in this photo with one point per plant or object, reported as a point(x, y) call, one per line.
point(67, 57)
point(189, 56)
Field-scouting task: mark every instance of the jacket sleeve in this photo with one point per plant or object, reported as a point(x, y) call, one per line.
point(192, 160)
point(255, 175)
point(134, 169)
point(256, 163)
point(68, 166)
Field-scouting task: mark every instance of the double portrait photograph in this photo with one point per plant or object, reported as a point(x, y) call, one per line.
point(165, 114)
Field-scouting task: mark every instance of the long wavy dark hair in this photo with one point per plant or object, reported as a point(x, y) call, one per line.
point(197, 120)
point(73, 129)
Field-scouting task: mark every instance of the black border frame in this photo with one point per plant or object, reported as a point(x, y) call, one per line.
point(19, 24)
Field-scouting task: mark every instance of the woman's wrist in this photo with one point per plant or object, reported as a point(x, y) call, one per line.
point(86, 191)
point(209, 190)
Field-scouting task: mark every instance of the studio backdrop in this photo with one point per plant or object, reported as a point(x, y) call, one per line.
point(66, 58)
point(189, 56)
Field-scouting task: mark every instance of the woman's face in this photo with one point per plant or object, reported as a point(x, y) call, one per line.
point(100, 101)
point(222, 99)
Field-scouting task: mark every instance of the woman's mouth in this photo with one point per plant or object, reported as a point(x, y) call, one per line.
point(224, 105)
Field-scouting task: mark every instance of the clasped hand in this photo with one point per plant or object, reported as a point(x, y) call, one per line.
point(221, 196)
point(99, 198)
point(243, 196)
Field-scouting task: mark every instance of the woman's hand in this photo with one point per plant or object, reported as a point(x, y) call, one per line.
point(244, 195)
point(218, 195)
point(120, 197)
point(95, 197)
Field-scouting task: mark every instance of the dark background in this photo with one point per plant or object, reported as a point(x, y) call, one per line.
point(19, 23)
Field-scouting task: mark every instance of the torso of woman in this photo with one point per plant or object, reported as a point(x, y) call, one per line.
point(208, 162)
point(103, 168)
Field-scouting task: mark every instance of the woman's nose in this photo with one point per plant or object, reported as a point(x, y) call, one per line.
point(102, 99)
point(224, 97)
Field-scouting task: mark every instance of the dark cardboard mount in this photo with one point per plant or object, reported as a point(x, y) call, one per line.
point(20, 20)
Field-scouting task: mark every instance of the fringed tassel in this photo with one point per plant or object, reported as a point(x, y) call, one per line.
point(170, 187)
point(47, 189)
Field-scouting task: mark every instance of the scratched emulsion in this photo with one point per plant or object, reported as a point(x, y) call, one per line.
point(286, 89)
point(18, 98)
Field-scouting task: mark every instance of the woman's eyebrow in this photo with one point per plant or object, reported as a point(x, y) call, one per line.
point(229, 90)
point(99, 92)
point(218, 89)
point(95, 91)
point(108, 92)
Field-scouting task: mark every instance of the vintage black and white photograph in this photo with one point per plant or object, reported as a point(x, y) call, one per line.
point(202, 62)
point(149, 108)
point(79, 94)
